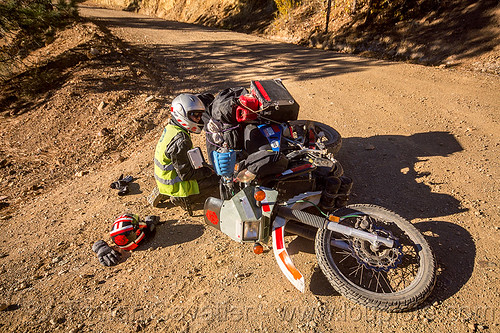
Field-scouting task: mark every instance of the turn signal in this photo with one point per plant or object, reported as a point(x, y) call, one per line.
point(259, 195)
point(257, 248)
point(334, 218)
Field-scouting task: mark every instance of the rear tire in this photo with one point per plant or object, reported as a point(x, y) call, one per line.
point(392, 280)
point(332, 139)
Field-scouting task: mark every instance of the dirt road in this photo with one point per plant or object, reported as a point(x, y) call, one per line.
point(421, 141)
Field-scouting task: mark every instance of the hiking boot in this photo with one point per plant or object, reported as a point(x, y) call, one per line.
point(155, 197)
point(182, 202)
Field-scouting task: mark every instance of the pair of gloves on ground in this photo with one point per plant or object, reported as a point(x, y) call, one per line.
point(107, 255)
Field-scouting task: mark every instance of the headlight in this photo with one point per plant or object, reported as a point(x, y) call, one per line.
point(251, 230)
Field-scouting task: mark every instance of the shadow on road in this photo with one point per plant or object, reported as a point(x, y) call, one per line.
point(318, 285)
point(171, 233)
point(385, 170)
point(455, 254)
point(216, 63)
point(222, 61)
point(132, 20)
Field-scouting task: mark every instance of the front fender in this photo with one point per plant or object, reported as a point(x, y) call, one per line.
point(285, 263)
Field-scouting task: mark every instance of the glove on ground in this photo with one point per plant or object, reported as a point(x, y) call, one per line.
point(106, 255)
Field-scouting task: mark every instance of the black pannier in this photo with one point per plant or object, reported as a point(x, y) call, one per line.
point(277, 103)
point(223, 107)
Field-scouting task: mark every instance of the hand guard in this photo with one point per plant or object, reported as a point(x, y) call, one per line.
point(106, 255)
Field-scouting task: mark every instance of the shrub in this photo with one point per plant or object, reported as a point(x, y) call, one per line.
point(29, 24)
point(284, 6)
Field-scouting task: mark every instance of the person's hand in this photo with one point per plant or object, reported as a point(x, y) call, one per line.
point(106, 255)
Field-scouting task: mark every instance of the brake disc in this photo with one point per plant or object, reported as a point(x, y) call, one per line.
point(382, 259)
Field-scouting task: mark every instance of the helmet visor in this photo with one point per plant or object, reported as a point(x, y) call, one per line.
point(195, 116)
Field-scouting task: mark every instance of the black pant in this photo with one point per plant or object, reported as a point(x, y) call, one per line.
point(208, 187)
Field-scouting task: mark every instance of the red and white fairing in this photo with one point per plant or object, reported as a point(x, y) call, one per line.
point(284, 262)
point(280, 253)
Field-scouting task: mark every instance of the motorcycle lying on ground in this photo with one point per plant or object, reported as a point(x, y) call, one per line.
point(369, 254)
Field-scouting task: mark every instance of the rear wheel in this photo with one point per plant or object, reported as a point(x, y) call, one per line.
point(320, 133)
point(390, 279)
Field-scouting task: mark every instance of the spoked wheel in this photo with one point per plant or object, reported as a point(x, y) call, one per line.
point(313, 131)
point(390, 279)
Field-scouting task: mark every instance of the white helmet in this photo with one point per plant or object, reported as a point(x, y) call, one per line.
point(184, 107)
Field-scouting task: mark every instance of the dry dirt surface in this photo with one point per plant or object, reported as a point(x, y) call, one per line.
point(421, 141)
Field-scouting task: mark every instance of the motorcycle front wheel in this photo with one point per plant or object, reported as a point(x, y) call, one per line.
point(331, 138)
point(393, 280)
